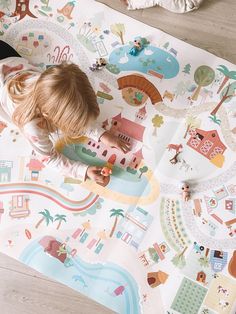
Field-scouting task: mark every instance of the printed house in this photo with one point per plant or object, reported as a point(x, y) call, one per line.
point(5, 170)
point(201, 277)
point(218, 260)
point(19, 206)
point(207, 143)
point(35, 166)
point(132, 228)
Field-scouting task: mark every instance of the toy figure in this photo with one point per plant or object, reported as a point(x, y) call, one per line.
point(98, 65)
point(186, 192)
point(106, 172)
point(137, 47)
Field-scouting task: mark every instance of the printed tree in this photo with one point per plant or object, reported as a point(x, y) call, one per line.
point(46, 217)
point(166, 45)
point(22, 9)
point(46, 7)
point(203, 76)
point(115, 213)
point(191, 122)
point(143, 170)
point(157, 121)
point(226, 95)
point(179, 260)
point(204, 261)
point(119, 31)
point(59, 218)
point(227, 75)
point(187, 68)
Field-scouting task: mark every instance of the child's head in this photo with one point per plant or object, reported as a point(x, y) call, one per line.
point(62, 95)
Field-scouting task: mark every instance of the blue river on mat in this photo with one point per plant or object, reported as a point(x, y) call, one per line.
point(97, 281)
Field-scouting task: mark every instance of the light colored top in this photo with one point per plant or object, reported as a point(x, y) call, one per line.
point(40, 139)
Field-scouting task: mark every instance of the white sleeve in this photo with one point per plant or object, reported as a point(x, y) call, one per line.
point(46, 152)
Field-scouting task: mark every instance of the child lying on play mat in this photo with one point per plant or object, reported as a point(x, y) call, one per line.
point(58, 100)
point(177, 6)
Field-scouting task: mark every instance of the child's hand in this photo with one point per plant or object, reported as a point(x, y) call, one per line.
point(111, 140)
point(94, 173)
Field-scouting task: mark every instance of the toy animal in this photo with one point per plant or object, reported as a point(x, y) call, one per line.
point(185, 192)
point(98, 64)
point(106, 172)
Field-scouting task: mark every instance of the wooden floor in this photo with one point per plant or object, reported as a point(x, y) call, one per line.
point(23, 290)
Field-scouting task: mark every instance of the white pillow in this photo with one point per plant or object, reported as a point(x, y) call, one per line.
point(177, 6)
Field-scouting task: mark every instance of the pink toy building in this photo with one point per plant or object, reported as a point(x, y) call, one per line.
point(207, 143)
point(130, 131)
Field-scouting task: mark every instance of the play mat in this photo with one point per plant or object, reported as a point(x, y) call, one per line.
point(132, 245)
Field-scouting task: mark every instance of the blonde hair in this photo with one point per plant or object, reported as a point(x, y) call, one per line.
point(62, 96)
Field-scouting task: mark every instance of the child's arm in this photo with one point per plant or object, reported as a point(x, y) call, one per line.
point(107, 138)
point(45, 151)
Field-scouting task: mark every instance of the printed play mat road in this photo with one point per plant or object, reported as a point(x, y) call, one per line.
point(132, 245)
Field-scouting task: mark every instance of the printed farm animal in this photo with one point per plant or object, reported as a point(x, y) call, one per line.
point(185, 165)
point(169, 95)
point(221, 289)
point(186, 194)
point(98, 64)
point(223, 304)
point(176, 147)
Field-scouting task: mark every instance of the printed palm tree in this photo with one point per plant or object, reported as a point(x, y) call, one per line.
point(157, 121)
point(115, 213)
point(215, 119)
point(46, 217)
point(191, 122)
point(228, 75)
point(226, 95)
point(59, 218)
point(179, 260)
point(203, 76)
point(62, 250)
point(204, 261)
